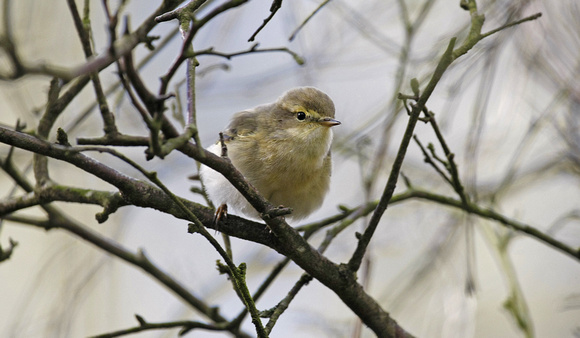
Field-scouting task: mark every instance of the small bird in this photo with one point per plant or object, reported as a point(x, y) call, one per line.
point(282, 149)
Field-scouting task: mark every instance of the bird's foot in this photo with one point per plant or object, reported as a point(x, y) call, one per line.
point(221, 213)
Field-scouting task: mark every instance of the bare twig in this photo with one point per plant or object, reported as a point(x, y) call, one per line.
point(185, 325)
point(188, 10)
point(299, 28)
point(276, 5)
point(254, 49)
point(51, 113)
point(428, 159)
point(186, 46)
point(364, 241)
point(6, 253)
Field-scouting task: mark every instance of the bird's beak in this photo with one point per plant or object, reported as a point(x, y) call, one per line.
point(328, 122)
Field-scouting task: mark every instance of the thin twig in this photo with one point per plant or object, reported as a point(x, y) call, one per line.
point(186, 45)
point(299, 28)
point(428, 159)
point(276, 5)
point(356, 259)
point(253, 49)
point(83, 28)
point(185, 325)
point(511, 24)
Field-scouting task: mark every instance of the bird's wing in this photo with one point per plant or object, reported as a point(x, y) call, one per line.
point(242, 124)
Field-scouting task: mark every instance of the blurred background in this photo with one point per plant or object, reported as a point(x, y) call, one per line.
point(509, 110)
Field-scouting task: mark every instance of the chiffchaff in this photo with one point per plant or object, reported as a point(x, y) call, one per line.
point(282, 149)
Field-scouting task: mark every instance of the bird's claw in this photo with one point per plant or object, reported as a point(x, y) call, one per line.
point(221, 213)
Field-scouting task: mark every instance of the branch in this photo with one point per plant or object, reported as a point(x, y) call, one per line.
point(186, 326)
point(120, 48)
point(356, 259)
point(254, 49)
point(511, 24)
point(477, 21)
point(293, 35)
point(237, 273)
point(186, 45)
point(448, 57)
point(284, 238)
point(277, 311)
point(276, 5)
point(427, 159)
point(492, 215)
point(51, 113)
point(188, 10)
point(5, 254)
point(109, 200)
point(471, 208)
point(139, 260)
point(127, 43)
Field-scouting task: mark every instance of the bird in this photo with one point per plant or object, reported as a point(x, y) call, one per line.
point(282, 149)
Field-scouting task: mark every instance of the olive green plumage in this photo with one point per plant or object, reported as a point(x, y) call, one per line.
point(283, 150)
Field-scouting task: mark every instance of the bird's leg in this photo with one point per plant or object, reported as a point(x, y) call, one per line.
point(221, 213)
point(223, 144)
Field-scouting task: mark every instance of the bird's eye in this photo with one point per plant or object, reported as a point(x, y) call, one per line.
point(301, 115)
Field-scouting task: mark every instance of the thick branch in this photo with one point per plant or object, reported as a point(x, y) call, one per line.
point(284, 239)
